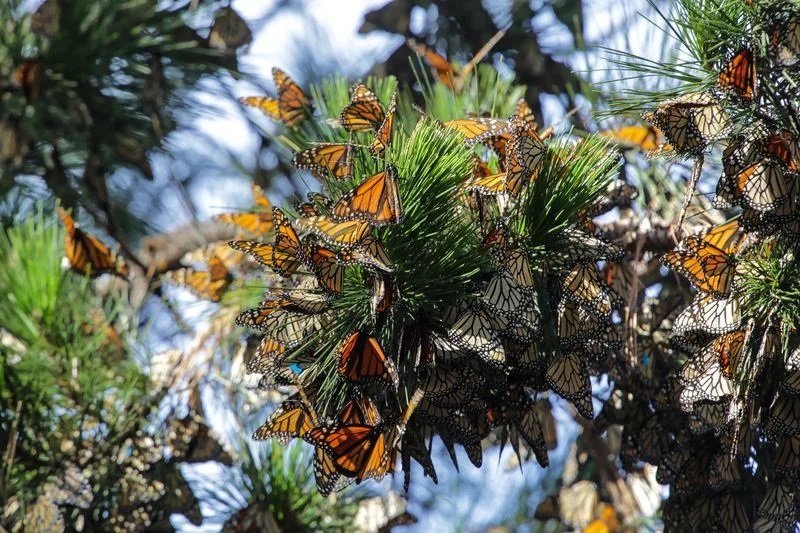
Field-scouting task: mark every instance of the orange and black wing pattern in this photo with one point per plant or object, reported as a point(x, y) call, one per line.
point(739, 75)
point(291, 107)
point(364, 112)
point(256, 222)
point(87, 254)
point(358, 451)
point(710, 269)
point(443, 68)
point(383, 137)
point(376, 200)
point(361, 359)
point(326, 160)
point(291, 420)
point(209, 284)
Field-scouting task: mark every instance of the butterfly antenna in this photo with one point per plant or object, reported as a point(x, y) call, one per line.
point(698, 166)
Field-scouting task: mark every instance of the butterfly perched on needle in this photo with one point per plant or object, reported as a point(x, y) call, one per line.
point(326, 160)
point(376, 200)
point(361, 359)
point(383, 137)
point(364, 112)
point(87, 254)
point(739, 75)
point(291, 107)
point(256, 222)
point(710, 269)
point(690, 121)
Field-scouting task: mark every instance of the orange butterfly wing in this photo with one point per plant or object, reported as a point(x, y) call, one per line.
point(291, 420)
point(257, 222)
point(361, 358)
point(87, 254)
point(376, 200)
point(444, 69)
point(265, 104)
point(364, 112)
point(383, 137)
point(326, 160)
point(739, 75)
point(293, 103)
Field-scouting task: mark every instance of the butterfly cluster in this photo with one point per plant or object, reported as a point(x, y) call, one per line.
point(465, 367)
point(737, 389)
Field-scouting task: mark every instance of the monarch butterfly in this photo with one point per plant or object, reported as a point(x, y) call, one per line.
point(782, 147)
point(572, 323)
point(576, 247)
point(305, 301)
point(490, 185)
point(362, 359)
point(708, 268)
point(525, 150)
point(265, 254)
point(291, 107)
point(524, 422)
point(267, 352)
point(256, 223)
point(359, 410)
point(364, 112)
point(444, 70)
point(479, 129)
point(376, 200)
point(583, 285)
point(287, 244)
point(369, 253)
point(727, 236)
point(690, 122)
point(760, 186)
point(784, 415)
point(87, 254)
point(787, 458)
point(525, 113)
point(709, 314)
point(287, 327)
point(739, 75)
point(326, 476)
point(292, 419)
point(791, 377)
point(785, 42)
point(707, 376)
point(210, 285)
point(640, 137)
point(568, 377)
point(503, 295)
point(382, 296)
point(348, 233)
point(383, 137)
point(778, 505)
point(326, 160)
point(325, 267)
point(358, 451)
point(472, 331)
point(413, 447)
point(518, 265)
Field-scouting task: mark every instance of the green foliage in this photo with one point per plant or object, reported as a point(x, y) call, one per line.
point(769, 289)
point(279, 482)
point(574, 175)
